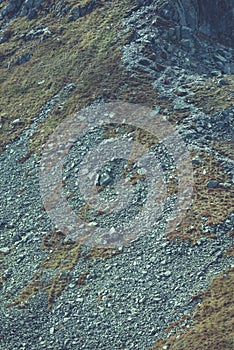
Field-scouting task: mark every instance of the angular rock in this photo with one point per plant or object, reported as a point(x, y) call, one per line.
point(32, 14)
point(212, 184)
point(25, 57)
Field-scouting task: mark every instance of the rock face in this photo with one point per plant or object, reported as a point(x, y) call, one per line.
point(216, 19)
point(190, 34)
point(27, 8)
point(30, 8)
point(213, 18)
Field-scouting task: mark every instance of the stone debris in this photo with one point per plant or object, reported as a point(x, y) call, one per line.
point(128, 301)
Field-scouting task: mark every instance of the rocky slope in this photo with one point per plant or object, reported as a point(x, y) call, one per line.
point(162, 290)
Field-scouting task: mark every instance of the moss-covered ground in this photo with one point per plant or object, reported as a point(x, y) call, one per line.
point(213, 94)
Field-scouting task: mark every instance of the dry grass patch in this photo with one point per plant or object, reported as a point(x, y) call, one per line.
point(86, 52)
point(224, 148)
point(62, 256)
point(211, 96)
point(210, 205)
point(213, 320)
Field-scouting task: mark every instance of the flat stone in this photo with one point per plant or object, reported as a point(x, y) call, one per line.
point(52, 330)
point(104, 179)
point(187, 43)
point(212, 184)
point(167, 273)
point(80, 300)
point(216, 73)
point(196, 161)
point(4, 250)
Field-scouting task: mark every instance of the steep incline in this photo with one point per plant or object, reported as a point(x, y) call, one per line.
point(162, 290)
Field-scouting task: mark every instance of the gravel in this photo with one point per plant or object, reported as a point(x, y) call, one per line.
point(144, 289)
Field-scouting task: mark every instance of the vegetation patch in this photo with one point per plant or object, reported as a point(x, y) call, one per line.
point(62, 256)
point(213, 94)
point(212, 327)
point(223, 148)
point(86, 52)
point(3, 267)
point(213, 193)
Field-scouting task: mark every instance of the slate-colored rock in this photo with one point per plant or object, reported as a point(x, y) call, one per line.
point(74, 14)
point(213, 184)
point(21, 8)
point(213, 18)
point(5, 36)
point(24, 58)
point(32, 14)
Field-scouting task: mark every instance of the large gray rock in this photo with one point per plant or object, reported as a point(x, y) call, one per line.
point(216, 19)
point(28, 3)
point(213, 18)
point(20, 7)
point(12, 7)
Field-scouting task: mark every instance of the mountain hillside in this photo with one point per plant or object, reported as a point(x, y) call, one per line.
point(147, 263)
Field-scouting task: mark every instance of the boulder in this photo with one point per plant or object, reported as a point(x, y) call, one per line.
point(212, 18)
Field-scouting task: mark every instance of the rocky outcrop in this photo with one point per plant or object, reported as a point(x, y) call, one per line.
point(59, 294)
point(29, 8)
point(212, 18)
point(179, 33)
point(22, 8)
point(216, 19)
